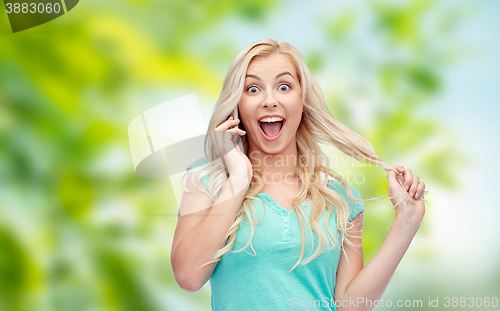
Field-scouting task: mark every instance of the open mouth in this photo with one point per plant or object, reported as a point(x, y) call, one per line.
point(271, 127)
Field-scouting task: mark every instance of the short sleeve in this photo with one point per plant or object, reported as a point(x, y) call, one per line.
point(198, 163)
point(355, 207)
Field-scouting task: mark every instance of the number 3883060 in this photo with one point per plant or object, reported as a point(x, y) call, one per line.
point(33, 7)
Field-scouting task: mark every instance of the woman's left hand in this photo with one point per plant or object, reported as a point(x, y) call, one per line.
point(413, 188)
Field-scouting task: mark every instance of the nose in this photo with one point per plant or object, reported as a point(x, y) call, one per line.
point(270, 101)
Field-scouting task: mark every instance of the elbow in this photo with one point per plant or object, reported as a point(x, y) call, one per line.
point(189, 278)
point(188, 284)
point(186, 280)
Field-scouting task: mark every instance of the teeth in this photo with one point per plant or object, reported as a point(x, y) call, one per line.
point(273, 119)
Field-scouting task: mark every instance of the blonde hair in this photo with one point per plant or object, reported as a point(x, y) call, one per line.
point(317, 126)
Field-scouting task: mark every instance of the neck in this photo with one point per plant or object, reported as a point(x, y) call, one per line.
point(277, 167)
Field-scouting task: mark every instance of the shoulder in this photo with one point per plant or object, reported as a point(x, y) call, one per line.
point(339, 188)
point(197, 163)
point(354, 206)
point(204, 176)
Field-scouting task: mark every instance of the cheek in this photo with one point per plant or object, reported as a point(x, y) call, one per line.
point(244, 125)
point(244, 119)
point(245, 110)
point(296, 110)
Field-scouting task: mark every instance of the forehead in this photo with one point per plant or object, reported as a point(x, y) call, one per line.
point(275, 63)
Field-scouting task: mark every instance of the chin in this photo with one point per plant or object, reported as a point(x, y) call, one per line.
point(272, 147)
point(272, 150)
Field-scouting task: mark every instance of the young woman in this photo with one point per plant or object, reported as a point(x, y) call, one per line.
point(266, 220)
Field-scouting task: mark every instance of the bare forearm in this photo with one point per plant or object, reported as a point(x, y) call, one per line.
point(371, 282)
point(200, 243)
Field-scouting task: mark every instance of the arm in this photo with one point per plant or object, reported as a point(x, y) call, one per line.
point(200, 234)
point(200, 227)
point(358, 283)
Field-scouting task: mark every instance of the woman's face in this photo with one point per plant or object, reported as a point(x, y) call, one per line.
point(271, 105)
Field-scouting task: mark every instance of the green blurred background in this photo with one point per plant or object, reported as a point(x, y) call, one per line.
point(80, 230)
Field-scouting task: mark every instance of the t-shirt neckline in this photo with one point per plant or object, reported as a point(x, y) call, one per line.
point(278, 208)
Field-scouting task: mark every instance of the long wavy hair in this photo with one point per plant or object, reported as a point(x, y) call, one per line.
point(317, 126)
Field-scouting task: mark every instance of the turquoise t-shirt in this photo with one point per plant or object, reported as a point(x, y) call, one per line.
point(242, 281)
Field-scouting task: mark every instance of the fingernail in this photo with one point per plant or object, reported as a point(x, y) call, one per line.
point(416, 195)
point(411, 194)
point(407, 187)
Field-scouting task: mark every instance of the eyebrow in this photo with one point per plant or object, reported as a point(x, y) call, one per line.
point(277, 76)
point(284, 73)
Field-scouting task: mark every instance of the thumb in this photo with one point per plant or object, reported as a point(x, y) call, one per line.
point(391, 177)
point(394, 186)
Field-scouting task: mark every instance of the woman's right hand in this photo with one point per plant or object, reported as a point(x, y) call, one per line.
point(234, 159)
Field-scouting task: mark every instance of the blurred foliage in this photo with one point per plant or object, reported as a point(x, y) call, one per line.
point(407, 77)
point(78, 229)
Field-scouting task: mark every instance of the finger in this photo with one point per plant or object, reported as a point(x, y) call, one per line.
point(231, 118)
point(221, 137)
point(236, 127)
point(420, 190)
point(408, 179)
point(400, 169)
point(393, 180)
point(237, 131)
point(235, 135)
point(414, 185)
point(226, 125)
point(239, 144)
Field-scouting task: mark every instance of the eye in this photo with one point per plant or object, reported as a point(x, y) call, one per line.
point(284, 87)
point(252, 89)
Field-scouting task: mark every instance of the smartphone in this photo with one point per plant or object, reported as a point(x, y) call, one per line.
point(235, 115)
point(237, 137)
